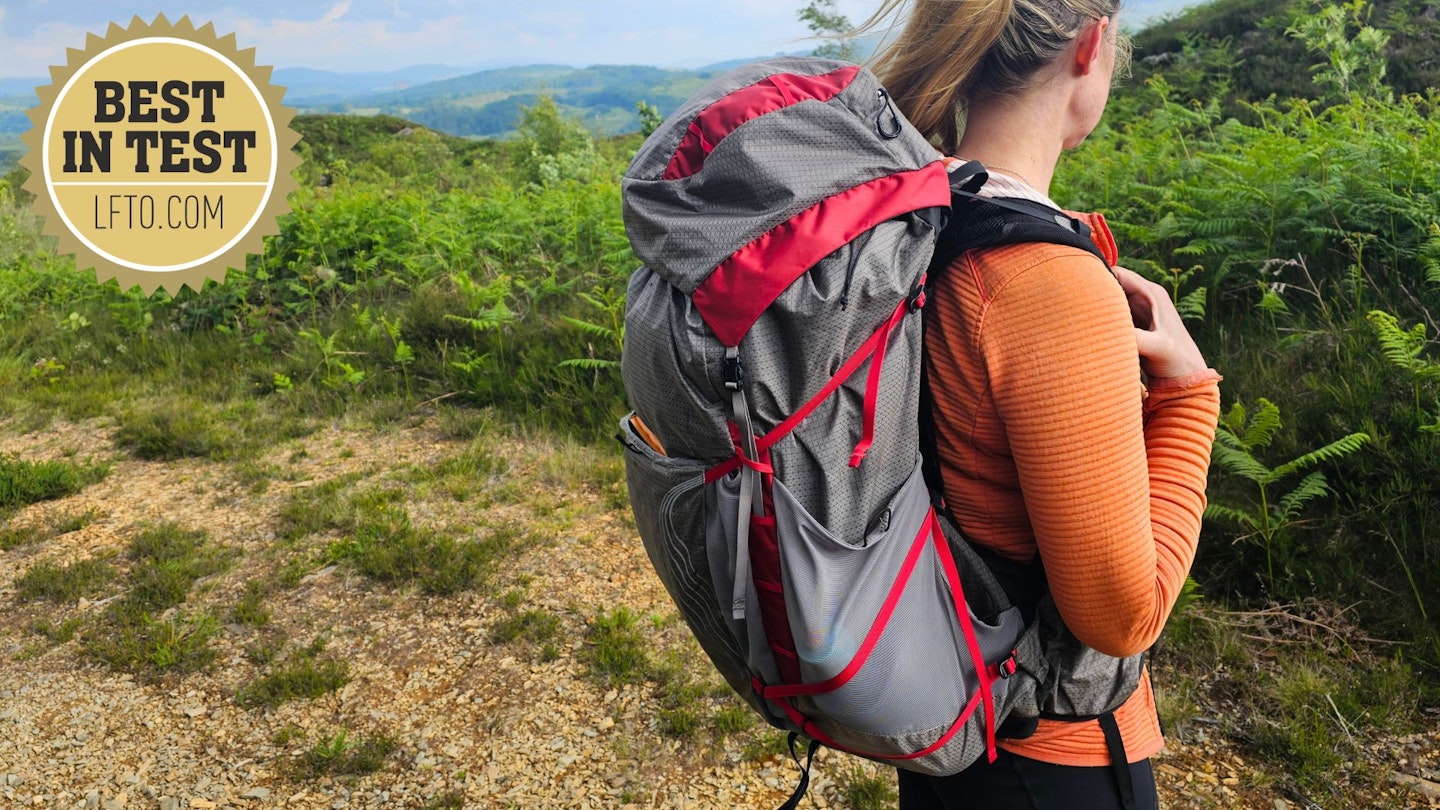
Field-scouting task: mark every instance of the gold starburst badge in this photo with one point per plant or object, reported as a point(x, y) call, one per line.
point(160, 154)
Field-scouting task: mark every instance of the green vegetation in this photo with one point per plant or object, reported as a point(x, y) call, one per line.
point(1306, 690)
point(616, 649)
point(141, 632)
point(865, 789)
point(63, 583)
point(301, 675)
point(375, 535)
point(25, 482)
point(336, 754)
point(250, 610)
point(132, 640)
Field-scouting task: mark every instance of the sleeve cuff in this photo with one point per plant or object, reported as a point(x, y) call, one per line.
point(1170, 384)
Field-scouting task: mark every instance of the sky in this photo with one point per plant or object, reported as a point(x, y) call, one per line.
point(380, 35)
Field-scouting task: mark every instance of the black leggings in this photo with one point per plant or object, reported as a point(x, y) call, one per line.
point(1014, 782)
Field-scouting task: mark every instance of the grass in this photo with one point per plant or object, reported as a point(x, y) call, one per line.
point(138, 633)
point(168, 559)
point(25, 482)
point(378, 538)
point(863, 789)
point(535, 626)
point(177, 428)
point(301, 675)
point(438, 563)
point(130, 640)
point(250, 609)
point(616, 649)
point(767, 744)
point(63, 583)
point(1300, 693)
point(337, 755)
point(56, 633)
point(12, 537)
point(296, 679)
point(67, 522)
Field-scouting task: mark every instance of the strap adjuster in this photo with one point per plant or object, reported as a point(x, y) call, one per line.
point(916, 299)
point(1008, 667)
point(734, 373)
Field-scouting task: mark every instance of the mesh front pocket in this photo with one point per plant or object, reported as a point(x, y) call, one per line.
point(668, 497)
point(903, 686)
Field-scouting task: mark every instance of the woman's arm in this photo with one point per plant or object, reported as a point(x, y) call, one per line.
point(1113, 481)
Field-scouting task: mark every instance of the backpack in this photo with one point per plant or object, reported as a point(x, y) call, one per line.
point(786, 218)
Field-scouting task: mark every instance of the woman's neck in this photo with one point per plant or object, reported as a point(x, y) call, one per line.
point(1017, 137)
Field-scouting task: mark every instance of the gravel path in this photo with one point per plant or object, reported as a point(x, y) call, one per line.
point(475, 723)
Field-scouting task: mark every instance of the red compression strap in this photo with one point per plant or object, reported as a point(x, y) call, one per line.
point(872, 389)
point(967, 628)
point(877, 628)
point(868, 348)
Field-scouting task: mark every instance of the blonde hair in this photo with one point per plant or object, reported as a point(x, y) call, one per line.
point(950, 52)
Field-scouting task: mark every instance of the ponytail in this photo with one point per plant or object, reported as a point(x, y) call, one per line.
point(951, 51)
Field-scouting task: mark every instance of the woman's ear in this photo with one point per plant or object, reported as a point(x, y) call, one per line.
point(1090, 45)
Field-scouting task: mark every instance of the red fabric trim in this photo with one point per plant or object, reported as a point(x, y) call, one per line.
point(872, 638)
point(967, 628)
point(727, 113)
point(1100, 234)
point(770, 587)
point(742, 286)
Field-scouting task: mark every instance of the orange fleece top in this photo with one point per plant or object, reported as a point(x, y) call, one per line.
point(1049, 442)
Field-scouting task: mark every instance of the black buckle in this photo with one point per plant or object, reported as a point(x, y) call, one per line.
point(916, 299)
point(734, 373)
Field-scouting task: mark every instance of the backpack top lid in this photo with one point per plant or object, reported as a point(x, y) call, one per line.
point(767, 170)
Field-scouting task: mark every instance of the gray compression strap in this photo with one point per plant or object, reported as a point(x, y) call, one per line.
point(750, 500)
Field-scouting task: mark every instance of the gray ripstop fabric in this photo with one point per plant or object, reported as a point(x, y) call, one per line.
point(844, 533)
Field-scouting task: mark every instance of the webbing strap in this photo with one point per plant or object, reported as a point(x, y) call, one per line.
point(749, 490)
point(794, 800)
point(1119, 762)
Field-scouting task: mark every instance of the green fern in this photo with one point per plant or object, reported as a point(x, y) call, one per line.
point(1268, 520)
point(1405, 350)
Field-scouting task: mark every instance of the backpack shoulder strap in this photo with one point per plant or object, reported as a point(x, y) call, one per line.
point(977, 221)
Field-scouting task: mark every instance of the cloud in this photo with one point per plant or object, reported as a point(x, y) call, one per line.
point(336, 12)
point(353, 35)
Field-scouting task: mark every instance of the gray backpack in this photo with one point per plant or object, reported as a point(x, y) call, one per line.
point(786, 217)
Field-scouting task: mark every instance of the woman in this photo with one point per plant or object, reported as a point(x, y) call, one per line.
point(1051, 442)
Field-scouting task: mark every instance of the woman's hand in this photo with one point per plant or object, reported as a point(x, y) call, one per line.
point(1166, 348)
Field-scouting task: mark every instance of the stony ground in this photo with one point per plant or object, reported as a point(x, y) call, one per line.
point(474, 723)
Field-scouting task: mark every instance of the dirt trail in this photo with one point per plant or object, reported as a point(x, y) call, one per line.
point(476, 724)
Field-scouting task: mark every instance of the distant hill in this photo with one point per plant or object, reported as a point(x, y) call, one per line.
point(309, 86)
point(488, 103)
point(1239, 46)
